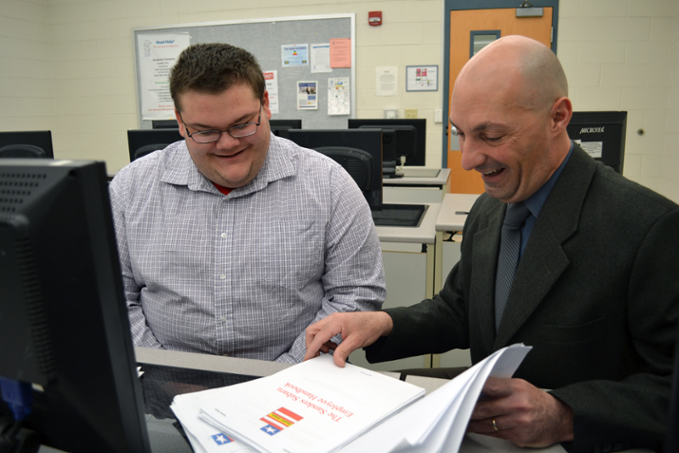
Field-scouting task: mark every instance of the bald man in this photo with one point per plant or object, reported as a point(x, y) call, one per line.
point(596, 290)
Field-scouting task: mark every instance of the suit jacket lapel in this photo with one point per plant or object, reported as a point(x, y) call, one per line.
point(544, 260)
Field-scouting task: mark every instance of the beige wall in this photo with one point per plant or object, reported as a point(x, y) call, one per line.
point(67, 65)
point(623, 55)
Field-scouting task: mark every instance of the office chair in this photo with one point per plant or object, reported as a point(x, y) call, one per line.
point(148, 149)
point(21, 150)
point(356, 162)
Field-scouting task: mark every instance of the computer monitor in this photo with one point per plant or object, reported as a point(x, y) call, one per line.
point(280, 127)
point(602, 135)
point(341, 145)
point(399, 143)
point(144, 141)
point(420, 125)
point(164, 124)
point(26, 144)
point(63, 318)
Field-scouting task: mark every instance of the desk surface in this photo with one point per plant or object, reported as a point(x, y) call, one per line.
point(453, 212)
point(420, 176)
point(425, 233)
point(163, 429)
point(166, 438)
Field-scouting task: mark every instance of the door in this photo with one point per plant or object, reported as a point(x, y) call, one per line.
point(468, 30)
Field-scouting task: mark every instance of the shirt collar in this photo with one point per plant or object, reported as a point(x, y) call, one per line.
point(535, 201)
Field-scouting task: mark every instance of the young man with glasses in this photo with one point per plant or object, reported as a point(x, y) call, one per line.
point(233, 241)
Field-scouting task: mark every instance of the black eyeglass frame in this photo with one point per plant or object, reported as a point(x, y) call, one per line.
point(229, 130)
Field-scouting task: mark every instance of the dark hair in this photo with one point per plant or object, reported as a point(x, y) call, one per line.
point(214, 68)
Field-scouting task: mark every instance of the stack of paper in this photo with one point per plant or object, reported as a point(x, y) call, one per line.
point(438, 422)
point(317, 407)
point(312, 407)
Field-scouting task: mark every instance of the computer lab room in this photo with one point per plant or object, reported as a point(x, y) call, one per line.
point(349, 195)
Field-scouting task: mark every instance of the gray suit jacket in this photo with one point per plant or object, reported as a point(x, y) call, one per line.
point(596, 294)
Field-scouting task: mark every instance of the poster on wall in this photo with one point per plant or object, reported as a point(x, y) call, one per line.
point(307, 95)
point(386, 81)
point(157, 54)
point(271, 80)
point(422, 78)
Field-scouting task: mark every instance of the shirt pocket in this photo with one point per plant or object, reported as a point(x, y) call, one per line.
point(292, 253)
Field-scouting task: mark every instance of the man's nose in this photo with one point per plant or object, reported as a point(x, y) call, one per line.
point(472, 156)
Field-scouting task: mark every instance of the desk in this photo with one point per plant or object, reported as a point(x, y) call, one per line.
point(408, 255)
point(451, 219)
point(163, 429)
point(418, 185)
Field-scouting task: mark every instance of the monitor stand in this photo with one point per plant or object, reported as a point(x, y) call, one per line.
point(400, 215)
point(389, 170)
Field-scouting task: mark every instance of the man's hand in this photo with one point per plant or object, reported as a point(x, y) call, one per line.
point(358, 329)
point(517, 411)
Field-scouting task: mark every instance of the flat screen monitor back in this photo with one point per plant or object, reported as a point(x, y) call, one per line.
point(164, 124)
point(144, 141)
point(41, 139)
point(368, 140)
point(420, 125)
point(63, 299)
point(602, 135)
point(280, 127)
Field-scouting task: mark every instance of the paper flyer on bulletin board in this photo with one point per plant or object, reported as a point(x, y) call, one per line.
point(295, 55)
point(157, 54)
point(320, 58)
point(271, 80)
point(340, 53)
point(339, 96)
point(307, 95)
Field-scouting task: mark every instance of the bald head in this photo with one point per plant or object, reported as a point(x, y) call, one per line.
point(510, 111)
point(519, 67)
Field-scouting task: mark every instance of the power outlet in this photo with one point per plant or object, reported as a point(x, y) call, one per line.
point(411, 113)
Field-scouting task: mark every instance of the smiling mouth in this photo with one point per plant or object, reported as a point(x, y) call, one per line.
point(230, 155)
point(492, 172)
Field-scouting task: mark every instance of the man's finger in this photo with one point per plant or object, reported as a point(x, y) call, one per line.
point(318, 335)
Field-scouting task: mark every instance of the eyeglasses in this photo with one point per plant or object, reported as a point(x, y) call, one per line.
point(213, 135)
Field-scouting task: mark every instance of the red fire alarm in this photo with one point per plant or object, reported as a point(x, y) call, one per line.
point(375, 18)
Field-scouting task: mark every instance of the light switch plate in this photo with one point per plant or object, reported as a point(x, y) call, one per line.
point(411, 113)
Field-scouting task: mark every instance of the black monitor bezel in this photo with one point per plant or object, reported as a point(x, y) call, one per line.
point(164, 124)
point(42, 139)
point(91, 399)
point(136, 138)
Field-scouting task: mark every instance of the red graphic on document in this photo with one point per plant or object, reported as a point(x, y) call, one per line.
point(278, 420)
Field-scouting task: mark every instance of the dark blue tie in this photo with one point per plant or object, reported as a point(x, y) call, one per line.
point(508, 258)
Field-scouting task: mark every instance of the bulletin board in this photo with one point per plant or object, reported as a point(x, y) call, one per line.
point(264, 38)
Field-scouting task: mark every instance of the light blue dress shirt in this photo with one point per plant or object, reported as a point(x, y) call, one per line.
point(244, 274)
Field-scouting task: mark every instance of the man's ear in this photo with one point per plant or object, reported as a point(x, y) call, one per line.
point(182, 128)
point(560, 116)
point(265, 104)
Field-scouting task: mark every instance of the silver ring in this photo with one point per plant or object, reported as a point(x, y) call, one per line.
point(495, 426)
